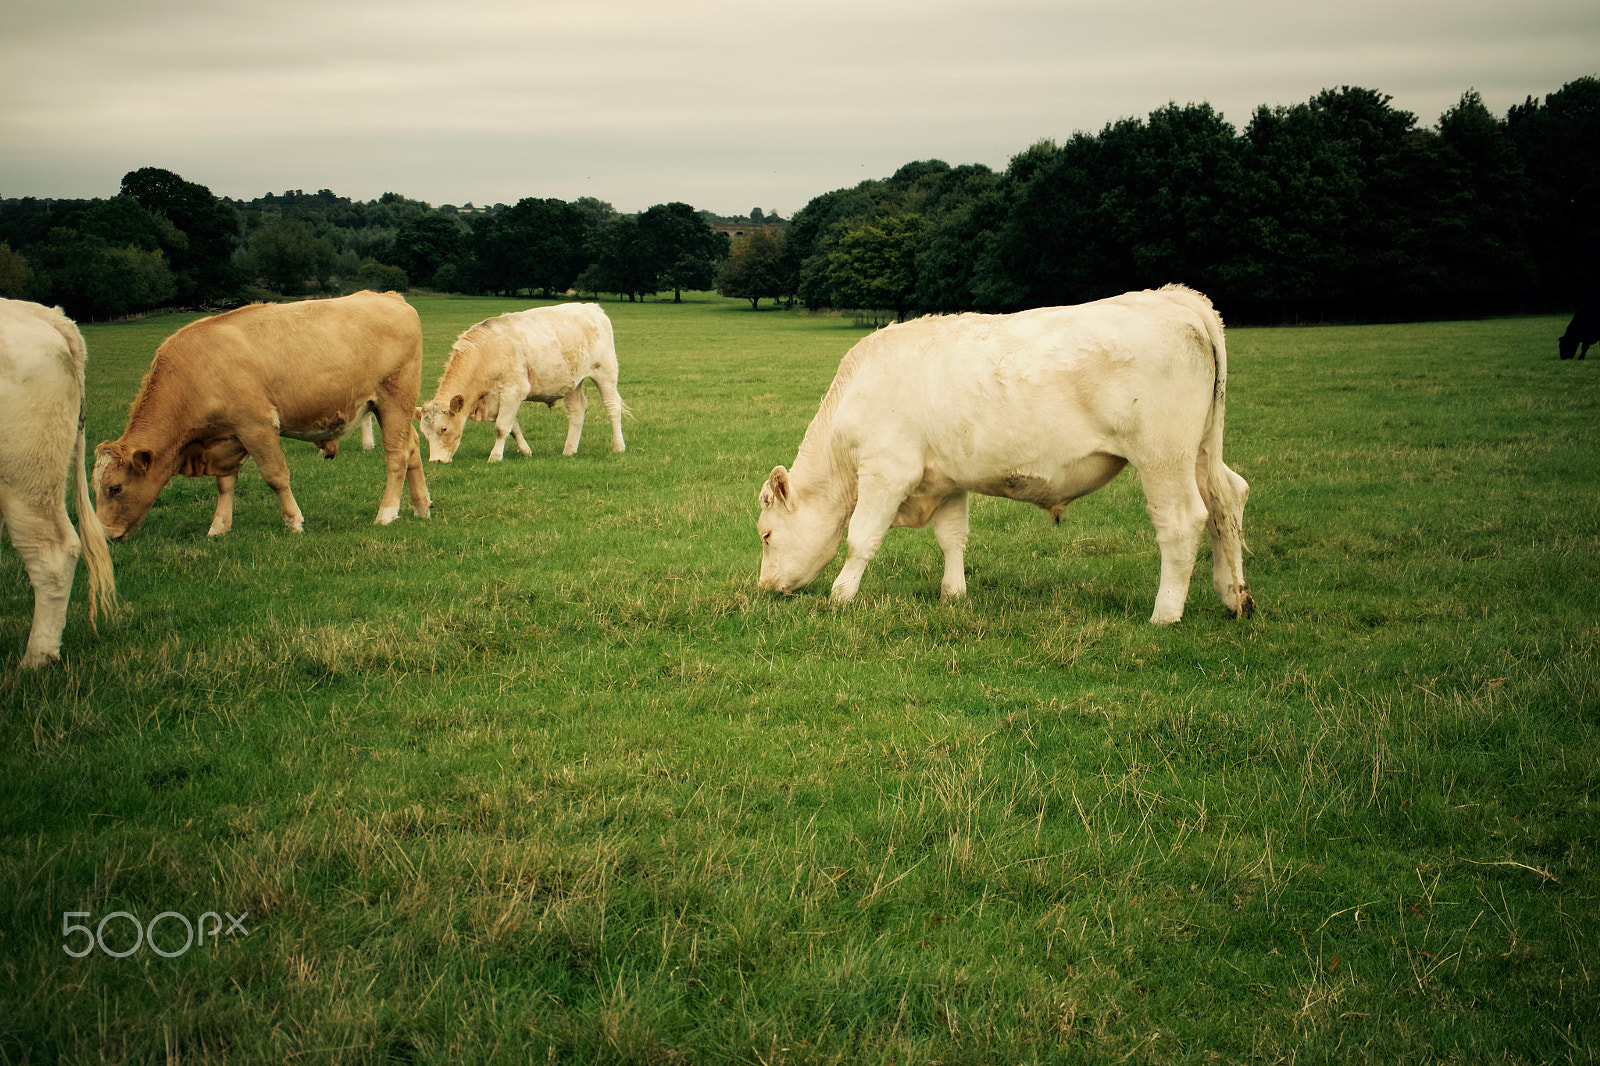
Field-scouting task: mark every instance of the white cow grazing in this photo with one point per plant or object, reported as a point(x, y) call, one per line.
point(41, 446)
point(1043, 406)
point(542, 354)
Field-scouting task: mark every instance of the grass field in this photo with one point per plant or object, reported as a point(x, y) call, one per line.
point(547, 778)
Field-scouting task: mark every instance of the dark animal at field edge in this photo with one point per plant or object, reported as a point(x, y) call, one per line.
point(1584, 329)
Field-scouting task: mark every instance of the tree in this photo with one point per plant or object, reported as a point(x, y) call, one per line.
point(202, 260)
point(620, 261)
point(757, 268)
point(1303, 191)
point(536, 245)
point(1481, 214)
point(873, 266)
point(15, 273)
point(287, 255)
point(681, 249)
point(1558, 141)
point(428, 243)
point(91, 278)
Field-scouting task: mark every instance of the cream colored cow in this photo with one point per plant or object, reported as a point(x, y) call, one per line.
point(42, 360)
point(1043, 406)
point(542, 354)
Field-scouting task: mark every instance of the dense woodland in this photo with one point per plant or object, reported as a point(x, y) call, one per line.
point(1343, 207)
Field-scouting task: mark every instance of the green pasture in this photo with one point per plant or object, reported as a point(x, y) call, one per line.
point(546, 778)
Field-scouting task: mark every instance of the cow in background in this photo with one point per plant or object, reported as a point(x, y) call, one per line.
point(225, 388)
point(1584, 329)
point(42, 360)
point(541, 354)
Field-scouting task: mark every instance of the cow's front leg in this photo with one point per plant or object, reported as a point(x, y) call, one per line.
point(576, 404)
point(950, 523)
point(222, 520)
point(504, 420)
point(879, 500)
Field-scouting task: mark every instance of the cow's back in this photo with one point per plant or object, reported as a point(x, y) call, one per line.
point(584, 330)
point(283, 353)
point(564, 343)
point(551, 349)
point(986, 387)
point(35, 334)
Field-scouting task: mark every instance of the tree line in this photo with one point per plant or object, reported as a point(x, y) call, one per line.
point(1339, 208)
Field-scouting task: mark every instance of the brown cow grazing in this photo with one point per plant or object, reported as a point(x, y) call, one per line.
point(41, 446)
point(227, 387)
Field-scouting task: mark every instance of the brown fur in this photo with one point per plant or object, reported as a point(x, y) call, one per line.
point(229, 386)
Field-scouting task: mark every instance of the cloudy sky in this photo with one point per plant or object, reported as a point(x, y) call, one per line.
point(723, 104)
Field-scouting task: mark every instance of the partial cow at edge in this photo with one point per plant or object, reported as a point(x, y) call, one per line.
point(225, 388)
point(1043, 406)
point(542, 354)
point(42, 359)
point(1584, 329)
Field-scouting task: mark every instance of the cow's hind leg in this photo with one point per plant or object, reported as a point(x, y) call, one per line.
point(611, 399)
point(222, 519)
point(516, 434)
point(421, 501)
point(1178, 512)
point(262, 445)
point(402, 461)
point(577, 404)
point(48, 544)
point(1225, 501)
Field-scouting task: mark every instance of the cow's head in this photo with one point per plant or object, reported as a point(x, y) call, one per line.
point(798, 536)
point(126, 484)
point(441, 425)
point(1568, 344)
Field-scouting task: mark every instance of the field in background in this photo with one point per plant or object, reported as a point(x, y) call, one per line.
point(547, 778)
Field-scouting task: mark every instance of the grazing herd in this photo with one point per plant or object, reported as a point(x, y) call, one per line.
point(224, 389)
point(1042, 406)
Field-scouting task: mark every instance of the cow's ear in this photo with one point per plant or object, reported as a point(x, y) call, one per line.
point(139, 462)
point(778, 490)
point(416, 414)
point(457, 402)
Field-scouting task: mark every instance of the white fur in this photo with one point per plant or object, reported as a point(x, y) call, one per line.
point(542, 354)
point(1043, 406)
point(41, 444)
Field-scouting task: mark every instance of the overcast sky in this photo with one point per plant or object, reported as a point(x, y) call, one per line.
point(724, 104)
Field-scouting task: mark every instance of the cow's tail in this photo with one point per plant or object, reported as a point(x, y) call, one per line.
point(92, 538)
point(1225, 492)
point(91, 535)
